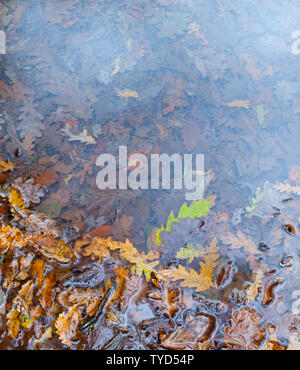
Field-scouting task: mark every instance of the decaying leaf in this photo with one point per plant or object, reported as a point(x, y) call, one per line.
point(54, 249)
point(244, 332)
point(20, 312)
point(93, 247)
point(30, 120)
point(67, 324)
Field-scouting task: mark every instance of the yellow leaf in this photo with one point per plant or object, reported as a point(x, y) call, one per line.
point(6, 166)
point(127, 93)
point(15, 198)
point(140, 261)
point(94, 247)
point(58, 250)
point(13, 323)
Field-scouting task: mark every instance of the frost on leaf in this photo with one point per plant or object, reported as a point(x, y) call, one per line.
point(94, 247)
point(29, 191)
point(11, 237)
point(244, 331)
point(67, 323)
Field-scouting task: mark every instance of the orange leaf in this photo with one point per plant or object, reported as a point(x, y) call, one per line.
point(67, 324)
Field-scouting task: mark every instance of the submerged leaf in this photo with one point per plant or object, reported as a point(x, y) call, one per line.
point(191, 279)
point(197, 209)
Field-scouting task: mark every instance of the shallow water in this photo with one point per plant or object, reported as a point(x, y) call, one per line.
point(219, 79)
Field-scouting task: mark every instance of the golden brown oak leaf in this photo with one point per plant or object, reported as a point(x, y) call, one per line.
point(94, 247)
point(191, 279)
point(87, 299)
point(51, 248)
point(37, 270)
point(47, 291)
point(287, 188)
point(6, 166)
point(139, 261)
point(67, 324)
point(11, 237)
point(15, 198)
point(19, 315)
point(127, 93)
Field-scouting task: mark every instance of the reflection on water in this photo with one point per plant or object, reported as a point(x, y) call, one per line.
point(81, 78)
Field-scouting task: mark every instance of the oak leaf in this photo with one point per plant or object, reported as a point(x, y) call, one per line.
point(51, 248)
point(287, 188)
point(15, 198)
point(47, 177)
point(88, 299)
point(67, 323)
point(94, 247)
point(240, 241)
point(197, 209)
point(244, 332)
point(191, 279)
point(47, 291)
point(11, 237)
point(6, 166)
